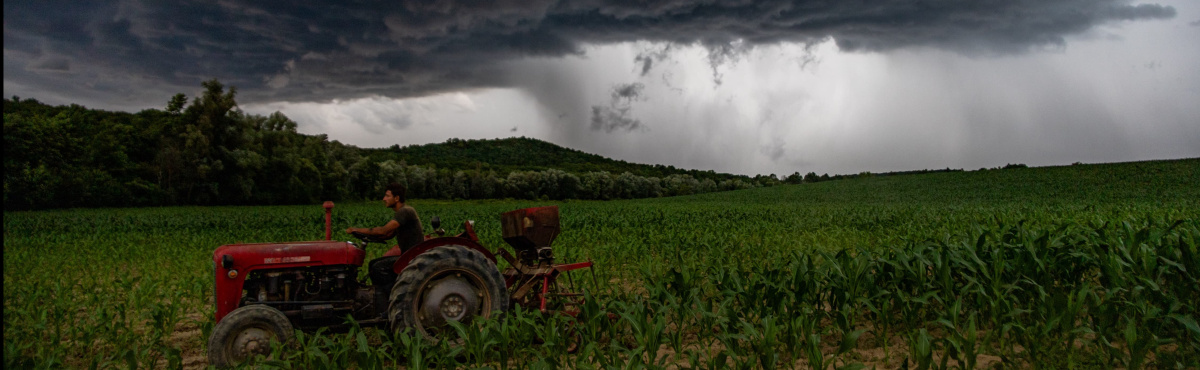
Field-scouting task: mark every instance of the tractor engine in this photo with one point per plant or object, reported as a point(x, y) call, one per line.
point(308, 292)
point(325, 283)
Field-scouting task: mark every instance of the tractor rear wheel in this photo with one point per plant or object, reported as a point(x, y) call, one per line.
point(245, 332)
point(447, 283)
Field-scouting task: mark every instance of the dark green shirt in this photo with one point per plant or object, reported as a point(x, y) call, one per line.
point(410, 232)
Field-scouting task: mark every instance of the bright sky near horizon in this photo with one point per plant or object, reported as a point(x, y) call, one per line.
point(741, 87)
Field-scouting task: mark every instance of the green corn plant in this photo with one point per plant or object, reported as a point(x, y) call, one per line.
point(1139, 344)
point(478, 339)
point(551, 332)
point(514, 333)
point(735, 350)
point(309, 352)
point(695, 358)
point(647, 330)
point(880, 306)
point(794, 336)
point(417, 348)
point(810, 326)
point(676, 337)
point(1192, 330)
point(920, 346)
point(962, 342)
point(849, 342)
point(764, 343)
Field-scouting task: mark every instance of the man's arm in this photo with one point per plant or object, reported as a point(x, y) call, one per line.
point(382, 231)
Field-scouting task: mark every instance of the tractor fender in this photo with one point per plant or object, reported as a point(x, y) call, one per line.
point(425, 246)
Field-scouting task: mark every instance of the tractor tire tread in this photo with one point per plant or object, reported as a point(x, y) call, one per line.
point(235, 321)
point(434, 261)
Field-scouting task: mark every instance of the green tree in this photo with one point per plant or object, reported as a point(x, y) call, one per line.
point(794, 178)
point(812, 177)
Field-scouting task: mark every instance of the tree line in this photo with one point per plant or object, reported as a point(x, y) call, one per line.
point(210, 152)
point(514, 154)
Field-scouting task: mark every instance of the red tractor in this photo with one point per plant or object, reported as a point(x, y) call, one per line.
point(265, 290)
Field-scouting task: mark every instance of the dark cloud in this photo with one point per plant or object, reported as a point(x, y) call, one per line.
point(617, 115)
point(52, 64)
point(1194, 23)
point(628, 92)
point(809, 58)
point(317, 51)
point(648, 57)
point(612, 118)
point(724, 53)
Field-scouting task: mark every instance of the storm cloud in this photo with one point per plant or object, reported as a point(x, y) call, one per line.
point(617, 115)
point(647, 58)
point(131, 53)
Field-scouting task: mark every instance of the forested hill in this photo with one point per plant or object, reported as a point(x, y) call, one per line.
point(207, 151)
point(526, 154)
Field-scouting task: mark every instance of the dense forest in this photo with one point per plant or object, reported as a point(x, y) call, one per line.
point(210, 152)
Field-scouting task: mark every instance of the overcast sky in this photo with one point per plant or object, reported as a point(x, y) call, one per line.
point(736, 86)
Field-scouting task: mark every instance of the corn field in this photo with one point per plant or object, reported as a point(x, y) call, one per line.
point(1093, 266)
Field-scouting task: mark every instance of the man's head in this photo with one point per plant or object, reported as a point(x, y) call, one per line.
point(393, 195)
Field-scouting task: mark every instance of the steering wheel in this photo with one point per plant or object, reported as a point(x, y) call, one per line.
point(368, 238)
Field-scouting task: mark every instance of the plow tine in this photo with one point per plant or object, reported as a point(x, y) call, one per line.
point(571, 281)
point(595, 285)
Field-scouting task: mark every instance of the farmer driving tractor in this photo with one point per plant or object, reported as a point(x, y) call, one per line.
point(404, 225)
point(263, 291)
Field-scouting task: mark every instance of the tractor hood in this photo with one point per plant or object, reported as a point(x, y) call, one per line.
point(315, 253)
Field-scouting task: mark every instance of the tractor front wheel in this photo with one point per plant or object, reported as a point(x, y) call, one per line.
point(447, 283)
point(245, 332)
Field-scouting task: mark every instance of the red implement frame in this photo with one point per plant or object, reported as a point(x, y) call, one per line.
point(522, 280)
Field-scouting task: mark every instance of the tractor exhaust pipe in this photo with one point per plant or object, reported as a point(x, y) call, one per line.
point(328, 220)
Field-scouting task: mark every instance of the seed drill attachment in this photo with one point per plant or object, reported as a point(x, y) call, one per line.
point(532, 278)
